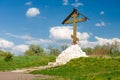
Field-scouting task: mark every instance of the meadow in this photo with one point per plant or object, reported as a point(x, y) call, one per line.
point(103, 63)
point(91, 68)
point(19, 62)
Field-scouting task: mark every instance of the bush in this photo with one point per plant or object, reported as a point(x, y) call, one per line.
point(55, 51)
point(8, 57)
point(2, 53)
point(104, 50)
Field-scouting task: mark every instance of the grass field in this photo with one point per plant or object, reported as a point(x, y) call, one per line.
point(86, 69)
point(24, 61)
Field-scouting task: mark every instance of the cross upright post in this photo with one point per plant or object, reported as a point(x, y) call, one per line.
point(74, 36)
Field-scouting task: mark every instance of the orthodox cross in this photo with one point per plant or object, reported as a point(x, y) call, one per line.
point(74, 15)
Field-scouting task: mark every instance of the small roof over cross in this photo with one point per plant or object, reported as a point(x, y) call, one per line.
point(74, 14)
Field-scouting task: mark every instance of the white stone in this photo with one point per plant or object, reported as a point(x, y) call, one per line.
point(74, 51)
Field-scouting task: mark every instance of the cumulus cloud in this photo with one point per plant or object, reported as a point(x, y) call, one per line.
point(16, 49)
point(28, 3)
point(64, 33)
point(11, 47)
point(99, 41)
point(32, 12)
point(103, 41)
point(60, 32)
point(83, 36)
point(58, 36)
point(19, 49)
point(100, 24)
point(86, 43)
point(102, 13)
point(5, 44)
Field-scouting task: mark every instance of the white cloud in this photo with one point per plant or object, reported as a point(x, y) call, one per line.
point(76, 4)
point(83, 36)
point(31, 40)
point(42, 42)
point(39, 41)
point(58, 36)
point(86, 43)
point(19, 49)
point(99, 41)
point(64, 33)
point(4, 44)
point(28, 3)
point(25, 37)
point(103, 41)
point(32, 12)
point(102, 13)
point(60, 32)
point(100, 24)
point(11, 47)
point(65, 2)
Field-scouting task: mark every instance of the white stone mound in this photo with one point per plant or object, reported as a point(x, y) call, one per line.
point(74, 51)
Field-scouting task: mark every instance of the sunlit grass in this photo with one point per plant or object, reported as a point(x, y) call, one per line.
point(24, 61)
point(86, 69)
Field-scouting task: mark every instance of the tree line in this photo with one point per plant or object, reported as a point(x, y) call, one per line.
point(112, 50)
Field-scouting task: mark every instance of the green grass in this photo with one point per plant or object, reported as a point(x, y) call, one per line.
point(24, 61)
point(86, 69)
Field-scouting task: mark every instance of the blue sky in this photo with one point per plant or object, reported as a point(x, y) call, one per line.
point(24, 22)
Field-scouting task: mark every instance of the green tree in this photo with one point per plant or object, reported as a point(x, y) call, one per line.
point(55, 51)
point(35, 50)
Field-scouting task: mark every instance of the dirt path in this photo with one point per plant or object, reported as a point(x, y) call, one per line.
point(20, 76)
point(27, 70)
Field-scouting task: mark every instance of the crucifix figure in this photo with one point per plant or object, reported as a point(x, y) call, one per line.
point(74, 15)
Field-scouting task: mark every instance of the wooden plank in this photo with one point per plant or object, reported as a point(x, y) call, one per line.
point(69, 16)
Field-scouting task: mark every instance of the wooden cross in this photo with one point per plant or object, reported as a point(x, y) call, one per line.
point(74, 15)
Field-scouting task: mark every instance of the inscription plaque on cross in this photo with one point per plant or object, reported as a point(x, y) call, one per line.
point(75, 14)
